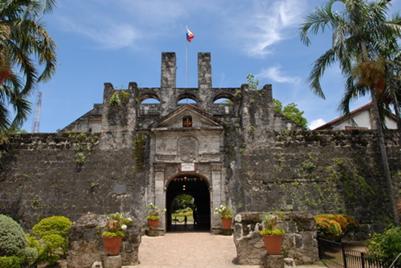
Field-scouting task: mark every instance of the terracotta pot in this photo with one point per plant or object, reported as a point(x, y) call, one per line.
point(226, 222)
point(273, 244)
point(153, 224)
point(112, 245)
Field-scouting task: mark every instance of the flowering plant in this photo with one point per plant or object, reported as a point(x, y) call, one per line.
point(116, 225)
point(154, 212)
point(224, 212)
point(270, 225)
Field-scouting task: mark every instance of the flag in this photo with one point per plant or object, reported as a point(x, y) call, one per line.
point(189, 35)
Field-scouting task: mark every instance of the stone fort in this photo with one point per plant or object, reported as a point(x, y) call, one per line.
point(126, 153)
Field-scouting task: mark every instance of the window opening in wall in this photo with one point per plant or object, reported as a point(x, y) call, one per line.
point(185, 101)
point(187, 121)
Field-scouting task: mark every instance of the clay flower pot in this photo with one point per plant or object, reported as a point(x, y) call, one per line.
point(112, 245)
point(226, 223)
point(273, 244)
point(153, 224)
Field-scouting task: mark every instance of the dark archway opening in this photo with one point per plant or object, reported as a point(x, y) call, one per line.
point(188, 197)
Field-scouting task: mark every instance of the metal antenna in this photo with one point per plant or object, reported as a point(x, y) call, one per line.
point(38, 108)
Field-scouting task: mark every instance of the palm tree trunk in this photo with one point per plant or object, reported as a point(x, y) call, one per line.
point(384, 157)
point(398, 115)
point(382, 146)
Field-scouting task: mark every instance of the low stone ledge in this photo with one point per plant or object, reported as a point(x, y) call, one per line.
point(154, 232)
point(273, 261)
point(112, 261)
point(299, 240)
point(86, 245)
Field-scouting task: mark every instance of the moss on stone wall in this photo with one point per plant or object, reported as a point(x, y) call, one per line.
point(82, 144)
point(138, 144)
point(4, 141)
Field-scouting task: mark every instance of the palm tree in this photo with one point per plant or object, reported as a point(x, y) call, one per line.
point(24, 46)
point(359, 30)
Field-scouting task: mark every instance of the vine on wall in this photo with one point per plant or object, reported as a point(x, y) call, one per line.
point(336, 187)
point(82, 145)
point(138, 145)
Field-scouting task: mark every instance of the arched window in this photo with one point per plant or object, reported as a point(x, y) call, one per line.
point(150, 101)
point(184, 101)
point(223, 101)
point(187, 121)
point(150, 106)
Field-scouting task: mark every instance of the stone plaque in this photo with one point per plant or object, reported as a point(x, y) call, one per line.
point(188, 149)
point(187, 167)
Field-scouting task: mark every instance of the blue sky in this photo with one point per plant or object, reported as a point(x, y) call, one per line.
point(119, 41)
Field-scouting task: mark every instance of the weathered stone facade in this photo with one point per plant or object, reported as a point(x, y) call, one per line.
point(243, 154)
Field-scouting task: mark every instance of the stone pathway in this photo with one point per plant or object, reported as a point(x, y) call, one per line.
point(197, 250)
point(192, 250)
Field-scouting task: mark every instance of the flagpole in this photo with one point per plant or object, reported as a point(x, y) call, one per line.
point(186, 64)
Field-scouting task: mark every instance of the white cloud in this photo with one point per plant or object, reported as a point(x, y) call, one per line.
point(317, 123)
point(267, 23)
point(253, 26)
point(106, 33)
point(275, 74)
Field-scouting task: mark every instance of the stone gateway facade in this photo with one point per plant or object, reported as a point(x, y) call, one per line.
point(228, 146)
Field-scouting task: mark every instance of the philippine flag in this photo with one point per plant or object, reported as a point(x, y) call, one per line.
point(189, 35)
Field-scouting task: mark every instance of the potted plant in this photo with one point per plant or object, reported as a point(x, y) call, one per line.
point(114, 232)
point(226, 215)
point(153, 217)
point(272, 235)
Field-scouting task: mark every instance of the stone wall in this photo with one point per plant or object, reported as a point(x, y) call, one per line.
point(48, 174)
point(67, 174)
point(316, 172)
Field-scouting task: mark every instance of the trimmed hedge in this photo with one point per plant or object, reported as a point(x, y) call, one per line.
point(52, 225)
point(12, 237)
point(10, 262)
point(50, 238)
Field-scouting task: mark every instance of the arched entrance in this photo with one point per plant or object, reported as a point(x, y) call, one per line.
point(191, 186)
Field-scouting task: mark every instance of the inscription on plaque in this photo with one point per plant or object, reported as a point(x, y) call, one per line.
point(187, 167)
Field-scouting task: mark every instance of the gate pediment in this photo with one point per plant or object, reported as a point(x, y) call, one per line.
point(188, 117)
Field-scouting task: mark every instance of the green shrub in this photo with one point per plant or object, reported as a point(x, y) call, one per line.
point(52, 225)
point(36, 244)
point(55, 248)
point(113, 234)
point(387, 245)
point(12, 237)
point(334, 226)
point(50, 238)
point(10, 262)
point(30, 255)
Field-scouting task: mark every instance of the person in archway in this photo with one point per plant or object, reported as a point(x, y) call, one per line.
point(195, 216)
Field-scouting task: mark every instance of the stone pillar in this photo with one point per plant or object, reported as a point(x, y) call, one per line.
point(160, 194)
point(205, 78)
point(133, 107)
point(107, 93)
point(245, 111)
point(268, 93)
point(217, 195)
point(168, 82)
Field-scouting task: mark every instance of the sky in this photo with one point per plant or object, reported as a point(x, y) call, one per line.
point(120, 41)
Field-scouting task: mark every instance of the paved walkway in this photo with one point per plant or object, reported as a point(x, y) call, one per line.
point(192, 250)
point(197, 250)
